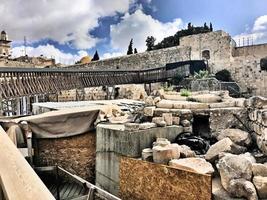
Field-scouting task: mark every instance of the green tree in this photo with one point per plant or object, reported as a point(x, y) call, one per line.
point(150, 42)
point(135, 50)
point(96, 56)
point(211, 28)
point(130, 48)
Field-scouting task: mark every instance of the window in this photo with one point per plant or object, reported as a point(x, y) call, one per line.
point(206, 54)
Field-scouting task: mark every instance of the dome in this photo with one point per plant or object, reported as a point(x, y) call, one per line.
point(85, 59)
point(3, 33)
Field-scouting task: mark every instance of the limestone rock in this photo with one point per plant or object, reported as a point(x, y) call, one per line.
point(149, 101)
point(240, 102)
point(176, 120)
point(262, 142)
point(164, 154)
point(167, 117)
point(259, 169)
point(224, 145)
point(131, 126)
point(189, 105)
point(236, 135)
point(242, 188)
point(219, 193)
point(147, 154)
point(149, 111)
point(207, 98)
point(165, 104)
point(225, 104)
point(188, 129)
point(260, 183)
point(257, 102)
point(236, 173)
point(159, 111)
point(161, 142)
point(185, 123)
point(198, 165)
point(147, 125)
point(157, 99)
point(186, 152)
point(159, 121)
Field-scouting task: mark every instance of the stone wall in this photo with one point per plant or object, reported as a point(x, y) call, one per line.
point(151, 59)
point(76, 154)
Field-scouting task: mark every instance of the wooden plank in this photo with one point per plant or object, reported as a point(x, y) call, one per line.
point(140, 180)
point(17, 179)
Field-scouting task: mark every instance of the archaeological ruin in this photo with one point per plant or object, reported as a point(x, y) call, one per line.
point(154, 125)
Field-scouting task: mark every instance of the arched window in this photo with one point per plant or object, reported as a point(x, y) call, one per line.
point(206, 54)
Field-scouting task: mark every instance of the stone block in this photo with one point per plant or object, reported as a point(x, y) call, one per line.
point(167, 117)
point(260, 183)
point(188, 129)
point(164, 154)
point(176, 120)
point(198, 165)
point(240, 102)
point(259, 169)
point(226, 104)
point(186, 152)
point(159, 111)
point(149, 101)
point(131, 126)
point(147, 125)
point(147, 154)
point(236, 135)
point(149, 111)
point(224, 145)
point(165, 104)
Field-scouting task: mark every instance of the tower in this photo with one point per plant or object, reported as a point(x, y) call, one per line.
point(5, 45)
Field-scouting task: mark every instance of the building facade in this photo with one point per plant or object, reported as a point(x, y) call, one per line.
point(5, 45)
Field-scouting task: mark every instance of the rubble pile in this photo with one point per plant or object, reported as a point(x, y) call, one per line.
point(235, 154)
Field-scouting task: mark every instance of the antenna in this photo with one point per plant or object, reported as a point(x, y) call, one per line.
point(25, 45)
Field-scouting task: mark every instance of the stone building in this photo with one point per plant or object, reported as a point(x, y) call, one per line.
point(5, 45)
point(217, 47)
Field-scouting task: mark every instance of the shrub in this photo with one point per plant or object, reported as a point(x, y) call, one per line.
point(202, 74)
point(224, 75)
point(185, 93)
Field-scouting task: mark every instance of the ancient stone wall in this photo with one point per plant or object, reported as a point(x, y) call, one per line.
point(257, 50)
point(152, 59)
point(76, 154)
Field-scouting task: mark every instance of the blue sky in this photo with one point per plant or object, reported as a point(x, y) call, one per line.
point(56, 29)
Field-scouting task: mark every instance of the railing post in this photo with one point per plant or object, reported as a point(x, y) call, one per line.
point(57, 183)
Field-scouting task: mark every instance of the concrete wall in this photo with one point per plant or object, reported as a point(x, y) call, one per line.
point(113, 142)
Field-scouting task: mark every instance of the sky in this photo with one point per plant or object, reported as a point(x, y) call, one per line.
point(70, 29)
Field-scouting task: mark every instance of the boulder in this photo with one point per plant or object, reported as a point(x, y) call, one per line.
point(167, 117)
point(236, 135)
point(147, 154)
point(259, 169)
point(198, 165)
point(236, 173)
point(149, 101)
point(163, 154)
point(186, 152)
point(260, 183)
point(149, 111)
point(147, 125)
point(224, 145)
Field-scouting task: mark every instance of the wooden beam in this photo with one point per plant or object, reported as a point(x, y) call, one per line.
point(17, 179)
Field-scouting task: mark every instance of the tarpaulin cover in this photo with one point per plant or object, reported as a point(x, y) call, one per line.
point(66, 122)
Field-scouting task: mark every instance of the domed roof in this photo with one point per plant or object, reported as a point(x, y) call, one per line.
point(3, 32)
point(85, 59)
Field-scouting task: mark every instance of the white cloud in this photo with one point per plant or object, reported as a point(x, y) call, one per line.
point(138, 26)
point(49, 51)
point(64, 21)
point(113, 54)
point(258, 33)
